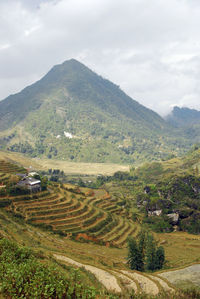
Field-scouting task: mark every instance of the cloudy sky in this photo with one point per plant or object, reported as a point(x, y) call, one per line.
point(151, 48)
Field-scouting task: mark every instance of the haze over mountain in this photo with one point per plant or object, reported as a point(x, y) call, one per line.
point(182, 117)
point(74, 114)
point(188, 120)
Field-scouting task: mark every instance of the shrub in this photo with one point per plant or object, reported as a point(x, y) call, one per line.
point(23, 276)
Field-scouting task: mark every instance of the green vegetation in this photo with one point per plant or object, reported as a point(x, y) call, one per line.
point(161, 195)
point(189, 119)
point(68, 210)
point(83, 217)
point(144, 254)
point(23, 276)
point(106, 124)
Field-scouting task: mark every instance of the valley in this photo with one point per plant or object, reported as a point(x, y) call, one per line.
point(90, 180)
point(70, 168)
point(85, 228)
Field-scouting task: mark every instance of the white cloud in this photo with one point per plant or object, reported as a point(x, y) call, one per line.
point(150, 48)
point(4, 46)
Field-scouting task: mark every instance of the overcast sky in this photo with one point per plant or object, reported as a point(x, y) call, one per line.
point(151, 48)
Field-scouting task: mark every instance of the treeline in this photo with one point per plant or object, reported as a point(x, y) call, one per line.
point(55, 175)
point(102, 179)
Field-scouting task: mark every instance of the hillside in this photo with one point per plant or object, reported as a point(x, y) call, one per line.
point(76, 115)
point(163, 196)
point(188, 120)
point(182, 117)
point(53, 232)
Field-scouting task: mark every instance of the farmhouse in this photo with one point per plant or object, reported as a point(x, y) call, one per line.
point(31, 184)
point(155, 213)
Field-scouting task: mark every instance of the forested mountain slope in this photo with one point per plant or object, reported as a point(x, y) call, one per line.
point(73, 113)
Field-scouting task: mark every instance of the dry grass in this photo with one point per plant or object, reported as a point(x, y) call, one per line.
point(95, 255)
point(181, 248)
point(74, 168)
point(82, 168)
point(20, 159)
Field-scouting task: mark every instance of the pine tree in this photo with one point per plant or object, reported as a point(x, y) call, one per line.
point(141, 248)
point(145, 254)
point(134, 256)
point(160, 257)
point(150, 253)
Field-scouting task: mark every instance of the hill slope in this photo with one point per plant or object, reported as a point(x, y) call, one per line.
point(51, 256)
point(182, 117)
point(73, 113)
point(188, 120)
point(164, 196)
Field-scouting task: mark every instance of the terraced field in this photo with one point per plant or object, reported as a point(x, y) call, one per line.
point(7, 170)
point(119, 281)
point(80, 213)
point(6, 167)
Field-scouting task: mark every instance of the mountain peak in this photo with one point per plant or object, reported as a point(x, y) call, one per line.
point(69, 64)
point(106, 124)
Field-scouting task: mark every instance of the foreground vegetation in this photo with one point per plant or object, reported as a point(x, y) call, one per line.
point(22, 276)
point(103, 216)
point(25, 274)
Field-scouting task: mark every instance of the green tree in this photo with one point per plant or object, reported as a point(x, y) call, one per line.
point(160, 257)
point(150, 253)
point(135, 261)
point(141, 247)
point(144, 254)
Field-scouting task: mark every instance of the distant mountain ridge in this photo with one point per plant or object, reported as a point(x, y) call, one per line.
point(104, 123)
point(184, 116)
point(188, 120)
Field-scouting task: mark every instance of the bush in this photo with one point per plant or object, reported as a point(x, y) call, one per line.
point(22, 276)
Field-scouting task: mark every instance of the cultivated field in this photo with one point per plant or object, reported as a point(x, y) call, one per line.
point(82, 168)
point(91, 229)
point(184, 277)
point(107, 264)
point(80, 213)
point(74, 168)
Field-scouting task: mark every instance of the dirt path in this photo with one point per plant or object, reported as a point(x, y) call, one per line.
point(188, 274)
point(132, 280)
point(128, 283)
point(146, 285)
point(105, 278)
point(163, 284)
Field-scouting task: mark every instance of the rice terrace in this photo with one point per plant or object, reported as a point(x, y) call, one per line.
point(99, 149)
point(88, 229)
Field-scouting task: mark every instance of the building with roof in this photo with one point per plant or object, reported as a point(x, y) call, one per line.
point(31, 184)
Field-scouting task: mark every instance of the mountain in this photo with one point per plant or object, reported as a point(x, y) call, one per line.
point(182, 117)
point(188, 120)
point(74, 114)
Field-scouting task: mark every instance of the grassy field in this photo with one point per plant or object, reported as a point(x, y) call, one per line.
point(74, 168)
point(90, 227)
point(182, 249)
point(82, 168)
point(21, 159)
